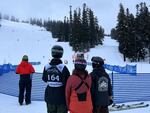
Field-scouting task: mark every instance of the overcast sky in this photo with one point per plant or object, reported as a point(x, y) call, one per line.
point(105, 10)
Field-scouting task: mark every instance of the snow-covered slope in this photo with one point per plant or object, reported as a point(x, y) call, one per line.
point(17, 39)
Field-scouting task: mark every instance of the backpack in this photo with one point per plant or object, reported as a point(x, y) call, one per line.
point(55, 76)
point(82, 96)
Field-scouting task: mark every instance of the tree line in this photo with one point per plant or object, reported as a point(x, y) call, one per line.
point(80, 29)
point(133, 33)
point(32, 21)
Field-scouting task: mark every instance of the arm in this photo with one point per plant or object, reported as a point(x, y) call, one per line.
point(110, 92)
point(44, 77)
point(67, 74)
point(68, 92)
point(109, 87)
point(93, 87)
point(32, 69)
point(18, 69)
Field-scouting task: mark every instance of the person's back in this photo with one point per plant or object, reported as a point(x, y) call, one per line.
point(55, 74)
point(101, 86)
point(25, 70)
point(55, 93)
point(78, 96)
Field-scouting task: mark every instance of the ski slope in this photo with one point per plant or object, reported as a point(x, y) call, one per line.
point(17, 39)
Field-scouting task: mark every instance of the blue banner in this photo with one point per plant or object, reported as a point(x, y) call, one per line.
point(5, 68)
point(128, 69)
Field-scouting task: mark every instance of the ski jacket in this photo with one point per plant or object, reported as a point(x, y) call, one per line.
point(75, 91)
point(55, 94)
point(24, 69)
point(101, 87)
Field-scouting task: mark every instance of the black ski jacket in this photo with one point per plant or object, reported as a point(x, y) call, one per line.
point(101, 87)
point(56, 95)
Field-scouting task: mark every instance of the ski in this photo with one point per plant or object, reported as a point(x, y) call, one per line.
point(136, 104)
point(120, 107)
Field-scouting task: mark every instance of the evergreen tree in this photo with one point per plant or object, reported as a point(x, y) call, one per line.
point(81, 29)
point(76, 38)
point(99, 32)
point(92, 29)
point(13, 18)
point(100, 35)
point(6, 17)
point(39, 22)
point(33, 21)
point(113, 33)
point(122, 31)
point(140, 31)
point(130, 46)
point(70, 24)
point(66, 30)
point(85, 29)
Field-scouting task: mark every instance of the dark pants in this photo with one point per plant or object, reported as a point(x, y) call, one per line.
point(101, 109)
point(25, 86)
point(56, 108)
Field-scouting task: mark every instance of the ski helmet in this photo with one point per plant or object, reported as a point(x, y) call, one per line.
point(25, 58)
point(57, 51)
point(80, 62)
point(98, 61)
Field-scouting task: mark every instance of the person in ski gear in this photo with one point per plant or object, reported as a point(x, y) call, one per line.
point(25, 69)
point(78, 95)
point(55, 74)
point(101, 86)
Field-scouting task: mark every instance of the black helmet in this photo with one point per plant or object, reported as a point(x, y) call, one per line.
point(57, 51)
point(97, 61)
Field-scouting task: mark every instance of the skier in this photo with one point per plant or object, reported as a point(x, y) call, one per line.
point(55, 74)
point(101, 86)
point(78, 95)
point(25, 70)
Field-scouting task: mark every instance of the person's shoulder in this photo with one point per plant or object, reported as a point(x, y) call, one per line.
point(19, 65)
point(92, 74)
point(71, 78)
point(65, 67)
point(47, 66)
point(107, 75)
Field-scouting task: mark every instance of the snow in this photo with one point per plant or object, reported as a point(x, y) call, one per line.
point(17, 39)
point(9, 104)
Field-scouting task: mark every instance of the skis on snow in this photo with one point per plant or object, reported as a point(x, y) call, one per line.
point(119, 107)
